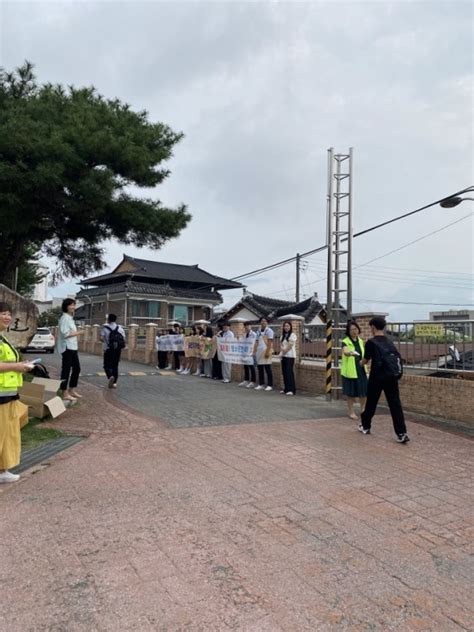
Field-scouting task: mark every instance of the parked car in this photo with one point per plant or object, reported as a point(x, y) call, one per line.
point(43, 340)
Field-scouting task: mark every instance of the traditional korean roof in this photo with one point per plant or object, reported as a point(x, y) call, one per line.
point(159, 271)
point(136, 287)
point(271, 308)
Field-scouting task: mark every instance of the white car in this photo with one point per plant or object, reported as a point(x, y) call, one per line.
point(43, 340)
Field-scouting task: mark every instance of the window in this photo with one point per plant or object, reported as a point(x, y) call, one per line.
point(145, 309)
point(181, 313)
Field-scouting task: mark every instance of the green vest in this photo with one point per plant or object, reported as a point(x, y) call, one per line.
point(9, 380)
point(348, 366)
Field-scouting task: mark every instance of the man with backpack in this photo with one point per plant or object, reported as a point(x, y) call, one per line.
point(113, 338)
point(385, 371)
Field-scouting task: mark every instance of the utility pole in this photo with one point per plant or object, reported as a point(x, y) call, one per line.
point(298, 257)
point(339, 242)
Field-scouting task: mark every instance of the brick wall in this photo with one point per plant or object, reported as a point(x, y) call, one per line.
point(448, 398)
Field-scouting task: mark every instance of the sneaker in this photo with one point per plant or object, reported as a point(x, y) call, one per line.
point(250, 385)
point(168, 368)
point(290, 393)
point(226, 381)
point(244, 383)
point(282, 392)
point(403, 438)
point(186, 372)
point(8, 477)
point(114, 385)
point(361, 428)
point(259, 388)
point(198, 373)
point(269, 388)
point(111, 381)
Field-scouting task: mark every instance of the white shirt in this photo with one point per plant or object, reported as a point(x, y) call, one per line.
point(286, 343)
point(227, 334)
point(262, 337)
point(248, 335)
point(66, 326)
point(105, 333)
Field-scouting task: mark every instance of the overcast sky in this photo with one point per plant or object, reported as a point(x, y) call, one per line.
point(261, 90)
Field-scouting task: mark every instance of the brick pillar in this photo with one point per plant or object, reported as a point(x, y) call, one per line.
point(237, 327)
point(95, 340)
point(150, 335)
point(132, 340)
point(86, 336)
point(362, 319)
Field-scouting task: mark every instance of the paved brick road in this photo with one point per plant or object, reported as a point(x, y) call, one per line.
point(268, 526)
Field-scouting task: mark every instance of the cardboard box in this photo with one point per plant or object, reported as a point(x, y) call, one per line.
point(40, 397)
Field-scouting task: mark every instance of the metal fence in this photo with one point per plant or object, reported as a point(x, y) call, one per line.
point(435, 346)
point(313, 344)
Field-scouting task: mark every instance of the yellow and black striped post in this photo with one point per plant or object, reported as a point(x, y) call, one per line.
point(329, 359)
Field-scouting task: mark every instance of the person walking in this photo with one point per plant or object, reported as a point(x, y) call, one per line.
point(113, 339)
point(354, 377)
point(228, 335)
point(249, 369)
point(288, 355)
point(67, 346)
point(385, 371)
point(13, 413)
point(263, 350)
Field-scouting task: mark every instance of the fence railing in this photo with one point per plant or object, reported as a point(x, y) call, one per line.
point(435, 346)
point(313, 344)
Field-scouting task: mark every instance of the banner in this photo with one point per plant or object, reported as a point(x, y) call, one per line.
point(236, 351)
point(429, 330)
point(170, 342)
point(192, 346)
point(208, 348)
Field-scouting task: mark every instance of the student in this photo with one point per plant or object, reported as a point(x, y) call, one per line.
point(207, 363)
point(13, 413)
point(67, 346)
point(385, 371)
point(113, 338)
point(288, 355)
point(216, 363)
point(228, 335)
point(263, 350)
point(354, 377)
point(190, 363)
point(249, 369)
point(161, 355)
point(169, 354)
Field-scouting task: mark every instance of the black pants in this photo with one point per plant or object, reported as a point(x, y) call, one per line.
point(267, 368)
point(287, 368)
point(70, 369)
point(162, 359)
point(216, 368)
point(111, 363)
point(249, 373)
point(390, 387)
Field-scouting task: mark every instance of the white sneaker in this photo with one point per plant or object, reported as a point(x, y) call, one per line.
point(168, 368)
point(259, 388)
point(8, 477)
point(282, 392)
point(226, 381)
point(290, 393)
point(250, 385)
point(198, 373)
point(269, 388)
point(244, 383)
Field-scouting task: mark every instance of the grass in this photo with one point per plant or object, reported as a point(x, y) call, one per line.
point(33, 434)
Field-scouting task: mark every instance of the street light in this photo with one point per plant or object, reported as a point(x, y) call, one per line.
point(453, 201)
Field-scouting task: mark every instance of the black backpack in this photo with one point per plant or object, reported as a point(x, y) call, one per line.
point(39, 370)
point(116, 341)
point(389, 361)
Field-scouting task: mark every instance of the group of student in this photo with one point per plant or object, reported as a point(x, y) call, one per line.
point(258, 375)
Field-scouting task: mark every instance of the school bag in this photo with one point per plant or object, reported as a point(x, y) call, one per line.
point(116, 341)
point(39, 370)
point(389, 362)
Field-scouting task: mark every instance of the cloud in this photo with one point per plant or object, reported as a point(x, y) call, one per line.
point(261, 90)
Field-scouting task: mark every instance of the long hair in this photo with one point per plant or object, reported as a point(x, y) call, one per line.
point(285, 335)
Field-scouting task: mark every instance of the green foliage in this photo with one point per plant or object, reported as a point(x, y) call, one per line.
point(68, 158)
point(50, 318)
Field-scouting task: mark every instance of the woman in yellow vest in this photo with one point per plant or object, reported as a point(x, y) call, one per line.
point(354, 377)
point(13, 414)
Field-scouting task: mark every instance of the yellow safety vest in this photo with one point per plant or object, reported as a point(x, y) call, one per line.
point(9, 380)
point(348, 366)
